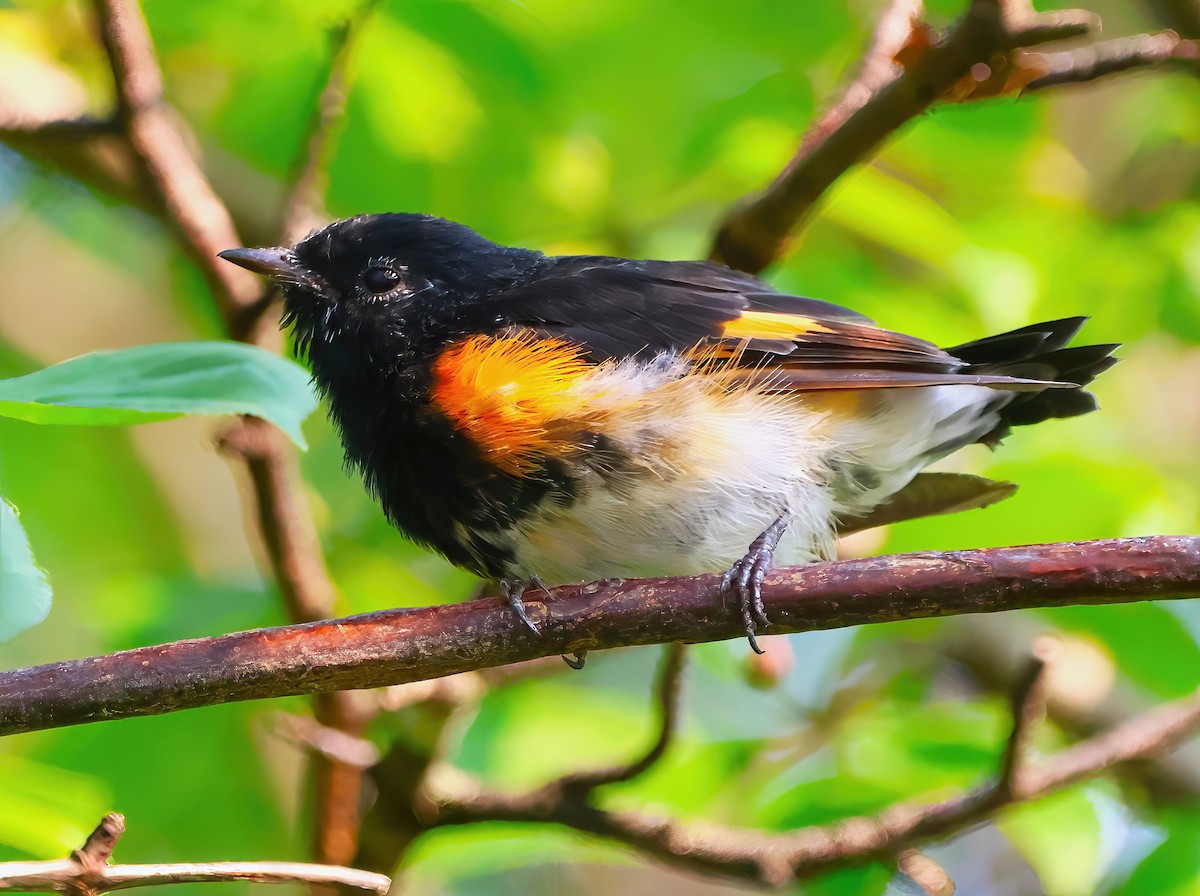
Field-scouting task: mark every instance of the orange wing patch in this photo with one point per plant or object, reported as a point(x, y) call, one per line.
point(511, 395)
point(771, 325)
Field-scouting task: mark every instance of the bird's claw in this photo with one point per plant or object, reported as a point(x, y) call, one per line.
point(745, 579)
point(513, 591)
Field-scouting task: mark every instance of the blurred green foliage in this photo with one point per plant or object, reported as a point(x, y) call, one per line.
point(623, 127)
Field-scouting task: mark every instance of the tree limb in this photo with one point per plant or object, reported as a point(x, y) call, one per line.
point(396, 646)
point(201, 220)
point(87, 870)
point(777, 860)
point(1112, 57)
point(305, 202)
point(886, 96)
point(204, 227)
point(670, 678)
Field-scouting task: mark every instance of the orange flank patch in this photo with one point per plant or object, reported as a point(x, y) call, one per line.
point(513, 396)
point(771, 325)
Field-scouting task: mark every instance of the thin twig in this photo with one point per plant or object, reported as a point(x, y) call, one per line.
point(753, 232)
point(670, 678)
point(332, 743)
point(284, 518)
point(777, 860)
point(395, 646)
point(63, 874)
point(201, 219)
point(305, 202)
point(988, 40)
point(1111, 57)
point(87, 870)
point(204, 227)
point(1028, 709)
point(286, 523)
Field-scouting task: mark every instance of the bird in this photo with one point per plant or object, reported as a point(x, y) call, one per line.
point(543, 420)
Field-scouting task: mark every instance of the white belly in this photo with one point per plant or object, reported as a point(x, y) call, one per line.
point(710, 471)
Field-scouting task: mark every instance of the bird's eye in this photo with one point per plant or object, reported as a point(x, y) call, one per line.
point(380, 280)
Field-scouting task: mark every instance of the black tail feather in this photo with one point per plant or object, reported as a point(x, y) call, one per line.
point(1039, 352)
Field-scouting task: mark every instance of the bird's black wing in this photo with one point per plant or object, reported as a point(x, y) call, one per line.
point(616, 308)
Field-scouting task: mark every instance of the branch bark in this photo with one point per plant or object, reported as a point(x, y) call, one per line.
point(398, 646)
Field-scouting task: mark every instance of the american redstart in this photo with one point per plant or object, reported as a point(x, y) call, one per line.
point(541, 419)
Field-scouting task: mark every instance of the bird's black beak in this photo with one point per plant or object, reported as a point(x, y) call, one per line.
point(276, 262)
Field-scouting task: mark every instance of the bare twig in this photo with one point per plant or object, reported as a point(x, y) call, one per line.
point(99, 846)
point(753, 233)
point(203, 223)
point(299, 561)
point(1113, 57)
point(986, 45)
point(777, 860)
point(205, 227)
point(670, 678)
point(332, 743)
point(292, 542)
point(996, 653)
point(396, 646)
point(1028, 709)
point(305, 202)
point(87, 871)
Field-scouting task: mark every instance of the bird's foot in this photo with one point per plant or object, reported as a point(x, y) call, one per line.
point(514, 590)
point(745, 578)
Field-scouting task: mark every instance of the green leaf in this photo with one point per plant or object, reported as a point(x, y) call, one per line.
point(158, 382)
point(1173, 867)
point(24, 591)
point(45, 811)
point(1059, 835)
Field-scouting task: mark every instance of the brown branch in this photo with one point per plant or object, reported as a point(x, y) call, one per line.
point(305, 203)
point(201, 219)
point(205, 227)
point(290, 535)
point(777, 860)
point(87, 871)
point(753, 233)
point(1028, 710)
point(995, 652)
point(1111, 57)
point(670, 679)
point(397, 646)
point(986, 45)
point(293, 542)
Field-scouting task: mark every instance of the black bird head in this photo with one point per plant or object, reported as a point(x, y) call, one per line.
point(385, 287)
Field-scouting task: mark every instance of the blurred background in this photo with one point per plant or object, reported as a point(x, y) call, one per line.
point(626, 127)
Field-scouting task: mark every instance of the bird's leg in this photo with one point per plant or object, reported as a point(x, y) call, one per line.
point(745, 577)
point(513, 590)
